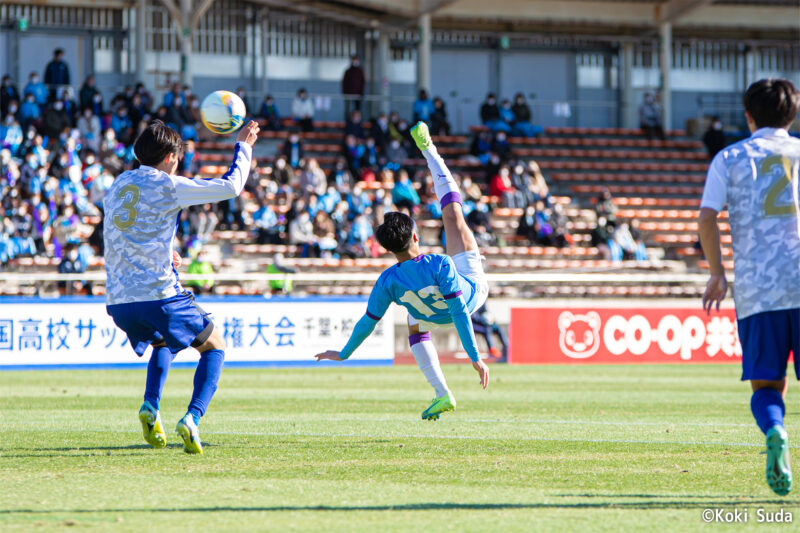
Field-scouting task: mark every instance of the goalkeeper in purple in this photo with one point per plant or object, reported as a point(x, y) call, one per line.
point(143, 294)
point(437, 290)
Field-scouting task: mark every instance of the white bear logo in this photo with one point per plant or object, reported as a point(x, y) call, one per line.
point(579, 335)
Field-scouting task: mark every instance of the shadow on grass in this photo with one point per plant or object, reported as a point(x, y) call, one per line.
point(649, 505)
point(76, 450)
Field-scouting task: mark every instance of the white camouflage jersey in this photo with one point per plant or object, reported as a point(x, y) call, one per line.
point(141, 215)
point(757, 178)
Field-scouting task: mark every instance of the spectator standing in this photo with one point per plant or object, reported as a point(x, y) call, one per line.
point(56, 73)
point(714, 138)
point(303, 110)
point(650, 118)
point(353, 84)
point(8, 94)
point(423, 107)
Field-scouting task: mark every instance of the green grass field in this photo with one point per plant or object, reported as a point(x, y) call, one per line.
point(594, 448)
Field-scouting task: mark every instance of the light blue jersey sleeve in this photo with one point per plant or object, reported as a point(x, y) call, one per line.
point(451, 291)
point(379, 301)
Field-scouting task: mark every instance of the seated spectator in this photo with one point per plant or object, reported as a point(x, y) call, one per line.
point(506, 114)
point(370, 158)
point(439, 122)
point(303, 110)
point(71, 264)
point(90, 129)
point(269, 112)
point(202, 266)
point(481, 146)
point(190, 164)
point(301, 232)
point(122, 126)
point(490, 115)
point(281, 172)
point(379, 130)
point(404, 195)
point(340, 176)
point(528, 225)
point(357, 202)
point(29, 112)
point(39, 90)
point(325, 232)
point(330, 199)
point(603, 239)
point(501, 147)
point(137, 111)
point(353, 152)
point(55, 121)
point(8, 94)
point(523, 125)
point(70, 106)
point(714, 138)
point(632, 247)
point(87, 94)
point(174, 94)
point(358, 236)
point(396, 153)
point(539, 187)
point(313, 179)
point(502, 187)
point(480, 224)
point(203, 220)
point(293, 150)
point(423, 107)
point(650, 118)
point(353, 125)
point(268, 227)
point(11, 134)
point(605, 207)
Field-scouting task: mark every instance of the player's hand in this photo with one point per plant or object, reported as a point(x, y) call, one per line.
point(716, 289)
point(249, 133)
point(483, 372)
point(176, 259)
point(333, 355)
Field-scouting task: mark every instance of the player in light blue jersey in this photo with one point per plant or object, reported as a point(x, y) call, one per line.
point(758, 179)
point(437, 290)
point(143, 294)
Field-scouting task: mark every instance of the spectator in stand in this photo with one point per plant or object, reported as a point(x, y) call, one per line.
point(56, 73)
point(269, 112)
point(312, 179)
point(603, 239)
point(481, 146)
point(423, 107)
point(241, 92)
point(11, 134)
point(353, 125)
point(439, 123)
point(147, 99)
point(370, 158)
point(70, 106)
point(138, 112)
point(650, 118)
point(89, 96)
point(404, 195)
point(202, 266)
point(203, 220)
point(485, 325)
point(502, 187)
point(301, 232)
point(325, 232)
point(8, 94)
point(282, 172)
point(501, 147)
point(631, 249)
point(190, 164)
point(379, 130)
point(292, 150)
point(55, 121)
point(122, 126)
point(71, 264)
point(357, 202)
point(340, 176)
point(38, 89)
point(353, 85)
point(528, 225)
point(29, 112)
point(714, 138)
point(303, 110)
point(396, 154)
point(490, 115)
point(523, 119)
point(268, 228)
point(353, 151)
point(605, 207)
point(507, 115)
point(173, 94)
point(480, 224)
point(359, 235)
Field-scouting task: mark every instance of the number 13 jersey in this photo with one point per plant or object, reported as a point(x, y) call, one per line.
point(758, 179)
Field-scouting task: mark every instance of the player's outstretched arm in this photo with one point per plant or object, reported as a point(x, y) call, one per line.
point(363, 329)
point(202, 191)
point(331, 355)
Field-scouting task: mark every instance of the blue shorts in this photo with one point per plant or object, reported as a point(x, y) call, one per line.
point(767, 340)
point(177, 321)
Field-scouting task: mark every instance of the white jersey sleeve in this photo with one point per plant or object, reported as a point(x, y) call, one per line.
point(715, 192)
point(202, 191)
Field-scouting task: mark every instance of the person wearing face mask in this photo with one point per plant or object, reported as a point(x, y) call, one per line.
point(269, 112)
point(37, 89)
point(650, 118)
point(523, 127)
point(353, 125)
point(379, 130)
point(173, 94)
point(490, 112)
point(714, 138)
point(8, 94)
point(303, 110)
point(293, 150)
point(56, 73)
point(29, 112)
point(353, 84)
point(301, 232)
point(423, 107)
point(87, 93)
point(11, 133)
point(55, 120)
point(71, 264)
point(439, 123)
point(501, 147)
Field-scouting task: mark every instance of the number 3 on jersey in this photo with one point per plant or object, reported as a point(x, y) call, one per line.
point(784, 178)
point(424, 297)
point(129, 195)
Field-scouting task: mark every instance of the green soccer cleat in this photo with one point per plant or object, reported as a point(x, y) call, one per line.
point(439, 406)
point(152, 429)
point(188, 431)
point(779, 473)
point(422, 136)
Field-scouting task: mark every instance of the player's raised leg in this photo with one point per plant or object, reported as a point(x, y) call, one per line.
point(149, 416)
point(428, 361)
point(206, 377)
point(458, 236)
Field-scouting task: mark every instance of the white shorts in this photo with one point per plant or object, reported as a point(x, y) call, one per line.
point(470, 265)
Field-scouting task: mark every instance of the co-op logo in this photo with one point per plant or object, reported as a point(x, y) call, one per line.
point(580, 335)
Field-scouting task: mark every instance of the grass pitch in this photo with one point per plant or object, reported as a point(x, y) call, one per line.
point(595, 448)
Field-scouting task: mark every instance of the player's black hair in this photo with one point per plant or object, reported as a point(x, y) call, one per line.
point(772, 103)
point(395, 232)
point(156, 142)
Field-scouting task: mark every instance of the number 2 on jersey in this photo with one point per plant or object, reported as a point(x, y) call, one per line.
point(416, 300)
point(783, 181)
point(130, 199)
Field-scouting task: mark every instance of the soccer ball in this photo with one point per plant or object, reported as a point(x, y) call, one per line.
point(223, 112)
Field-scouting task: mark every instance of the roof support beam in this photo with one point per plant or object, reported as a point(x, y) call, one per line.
point(674, 9)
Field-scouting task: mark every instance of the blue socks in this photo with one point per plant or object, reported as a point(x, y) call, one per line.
point(157, 370)
point(205, 382)
point(768, 408)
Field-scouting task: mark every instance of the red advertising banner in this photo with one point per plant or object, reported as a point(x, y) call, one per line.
point(608, 335)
